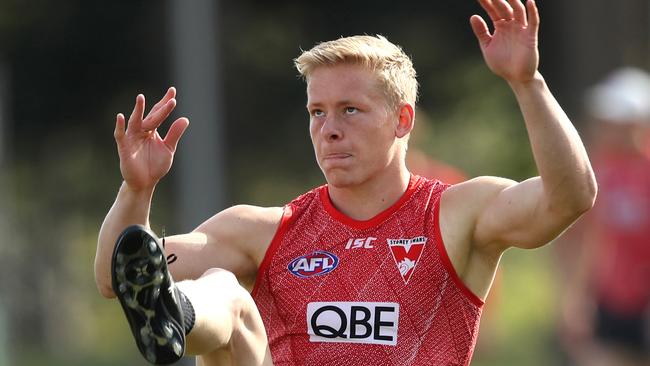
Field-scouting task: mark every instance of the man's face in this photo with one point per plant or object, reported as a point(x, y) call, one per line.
point(351, 128)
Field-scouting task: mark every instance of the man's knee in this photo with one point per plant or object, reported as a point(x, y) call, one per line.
point(225, 282)
point(214, 286)
point(241, 302)
point(220, 272)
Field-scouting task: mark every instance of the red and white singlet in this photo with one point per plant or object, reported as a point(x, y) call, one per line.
point(335, 291)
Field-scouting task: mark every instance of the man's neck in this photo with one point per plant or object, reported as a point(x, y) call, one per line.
point(368, 199)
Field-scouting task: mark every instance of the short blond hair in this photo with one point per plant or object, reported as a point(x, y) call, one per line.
point(392, 66)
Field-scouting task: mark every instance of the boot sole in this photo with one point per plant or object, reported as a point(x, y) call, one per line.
point(148, 296)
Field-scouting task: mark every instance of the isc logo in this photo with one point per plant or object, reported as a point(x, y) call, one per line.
point(353, 322)
point(317, 263)
point(365, 243)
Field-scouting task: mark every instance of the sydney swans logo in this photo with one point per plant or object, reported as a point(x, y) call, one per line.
point(406, 253)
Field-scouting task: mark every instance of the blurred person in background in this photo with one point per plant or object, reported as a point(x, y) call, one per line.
point(606, 300)
point(379, 266)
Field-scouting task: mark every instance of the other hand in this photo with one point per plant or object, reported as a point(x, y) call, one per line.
point(511, 51)
point(145, 157)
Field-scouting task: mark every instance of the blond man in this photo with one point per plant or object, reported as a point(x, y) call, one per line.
point(378, 266)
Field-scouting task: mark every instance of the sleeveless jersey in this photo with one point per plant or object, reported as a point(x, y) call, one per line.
point(335, 291)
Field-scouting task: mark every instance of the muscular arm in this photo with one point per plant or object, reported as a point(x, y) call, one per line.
point(483, 217)
point(533, 212)
point(235, 239)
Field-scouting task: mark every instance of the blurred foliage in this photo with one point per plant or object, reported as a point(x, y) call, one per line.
point(73, 65)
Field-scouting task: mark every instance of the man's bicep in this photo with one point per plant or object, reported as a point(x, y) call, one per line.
point(228, 240)
point(518, 215)
point(197, 252)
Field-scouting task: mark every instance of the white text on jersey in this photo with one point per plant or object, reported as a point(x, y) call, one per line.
point(365, 243)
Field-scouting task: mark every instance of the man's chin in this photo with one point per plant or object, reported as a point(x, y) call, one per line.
point(340, 179)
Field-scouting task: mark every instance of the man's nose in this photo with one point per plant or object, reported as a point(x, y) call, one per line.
point(331, 129)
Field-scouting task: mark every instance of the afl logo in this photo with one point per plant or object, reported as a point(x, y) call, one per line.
point(317, 263)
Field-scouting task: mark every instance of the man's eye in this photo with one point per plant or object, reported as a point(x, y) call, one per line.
point(351, 110)
point(317, 113)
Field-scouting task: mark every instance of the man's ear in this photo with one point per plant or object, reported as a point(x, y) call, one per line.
point(406, 120)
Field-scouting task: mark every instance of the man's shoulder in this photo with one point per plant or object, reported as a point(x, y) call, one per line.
point(247, 227)
point(253, 215)
point(477, 189)
point(242, 220)
point(462, 203)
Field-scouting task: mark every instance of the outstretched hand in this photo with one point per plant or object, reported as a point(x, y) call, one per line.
point(511, 50)
point(145, 157)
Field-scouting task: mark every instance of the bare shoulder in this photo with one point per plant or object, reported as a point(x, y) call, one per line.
point(250, 227)
point(460, 209)
point(254, 216)
point(472, 195)
point(243, 217)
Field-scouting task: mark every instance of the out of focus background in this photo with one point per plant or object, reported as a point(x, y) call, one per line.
point(68, 67)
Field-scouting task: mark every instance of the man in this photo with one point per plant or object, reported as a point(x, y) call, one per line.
point(377, 267)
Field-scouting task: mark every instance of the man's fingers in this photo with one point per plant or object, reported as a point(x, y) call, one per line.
point(519, 11)
point(171, 93)
point(175, 132)
point(135, 120)
point(489, 8)
point(119, 127)
point(481, 30)
point(533, 17)
point(503, 9)
point(155, 118)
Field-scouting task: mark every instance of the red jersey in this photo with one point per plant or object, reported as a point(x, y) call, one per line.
point(336, 291)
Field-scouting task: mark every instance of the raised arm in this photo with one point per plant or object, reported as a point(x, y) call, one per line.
point(533, 212)
point(235, 239)
point(484, 216)
point(145, 157)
